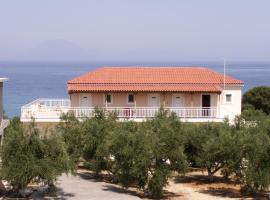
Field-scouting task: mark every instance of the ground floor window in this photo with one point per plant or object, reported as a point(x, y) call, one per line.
point(228, 98)
point(131, 98)
point(108, 98)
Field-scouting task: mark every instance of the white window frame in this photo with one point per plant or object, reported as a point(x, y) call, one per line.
point(133, 98)
point(225, 99)
point(104, 98)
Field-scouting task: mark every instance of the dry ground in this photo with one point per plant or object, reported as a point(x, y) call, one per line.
point(192, 186)
point(195, 185)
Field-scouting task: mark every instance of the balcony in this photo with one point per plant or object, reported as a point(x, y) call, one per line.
point(50, 110)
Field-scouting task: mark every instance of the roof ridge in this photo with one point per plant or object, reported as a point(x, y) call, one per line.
point(152, 67)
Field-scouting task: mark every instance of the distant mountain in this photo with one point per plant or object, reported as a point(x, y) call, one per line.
point(57, 50)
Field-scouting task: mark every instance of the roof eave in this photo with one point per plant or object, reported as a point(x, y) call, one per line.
point(3, 79)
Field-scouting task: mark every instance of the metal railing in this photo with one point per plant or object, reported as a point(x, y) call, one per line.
point(49, 103)
point(53, 108)
point(149, 112)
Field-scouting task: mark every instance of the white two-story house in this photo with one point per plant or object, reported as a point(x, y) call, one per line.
point(195, 94)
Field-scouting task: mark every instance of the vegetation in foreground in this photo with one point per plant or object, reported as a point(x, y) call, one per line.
point(142, 155)
point(29, 157)
point(257, 98)
point(145, 154)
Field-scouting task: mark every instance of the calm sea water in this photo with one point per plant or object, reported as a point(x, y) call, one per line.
point(31, 80)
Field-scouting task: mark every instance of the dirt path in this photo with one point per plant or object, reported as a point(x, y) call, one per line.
point(185, 192)
point(79, 187)
point(193, 186)
point(82, 188)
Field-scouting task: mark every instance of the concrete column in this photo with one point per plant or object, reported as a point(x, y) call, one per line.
point(192, 103)
point(164, 99)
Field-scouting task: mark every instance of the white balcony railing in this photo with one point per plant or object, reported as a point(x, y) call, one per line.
point(51, 110)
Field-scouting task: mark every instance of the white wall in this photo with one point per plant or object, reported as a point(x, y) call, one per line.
point(233, 108)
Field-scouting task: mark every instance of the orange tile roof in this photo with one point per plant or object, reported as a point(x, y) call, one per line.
point(153, 79)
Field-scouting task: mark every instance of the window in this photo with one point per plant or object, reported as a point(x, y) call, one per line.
point(131, 98)
point(228, 98)
point(108, 98)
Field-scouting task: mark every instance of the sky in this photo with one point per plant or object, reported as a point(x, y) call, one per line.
point(128, 30)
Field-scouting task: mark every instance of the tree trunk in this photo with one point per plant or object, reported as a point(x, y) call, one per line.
point(2, 188)
point(210, 175)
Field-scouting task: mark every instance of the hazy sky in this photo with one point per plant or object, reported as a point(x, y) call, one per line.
point(158, 30)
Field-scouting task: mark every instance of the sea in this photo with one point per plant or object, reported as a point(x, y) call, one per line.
point(29, 80)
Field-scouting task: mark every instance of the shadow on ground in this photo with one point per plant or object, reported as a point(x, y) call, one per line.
point(61, 195)
point(107, 178)
point(201, 180)
point(112, 185)
point(222, 192)
point(220, 187)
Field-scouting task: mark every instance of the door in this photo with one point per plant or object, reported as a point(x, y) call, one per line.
point(85, 101)
point(177, 101)
point(154, 101)
point(206, 104)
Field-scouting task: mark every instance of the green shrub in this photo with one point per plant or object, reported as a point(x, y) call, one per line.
point(26, 156)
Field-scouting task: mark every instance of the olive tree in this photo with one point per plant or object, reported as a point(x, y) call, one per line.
point(27, 156)
point(257, 97)
point(167, 147)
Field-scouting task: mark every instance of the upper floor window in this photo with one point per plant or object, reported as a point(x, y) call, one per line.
point(131, 98)
point(228, 98)
point(108, 98)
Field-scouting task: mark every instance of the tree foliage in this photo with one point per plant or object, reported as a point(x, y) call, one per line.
point(137, 154)
point(27, 157)
point(259, 98)
point(141, 154)
point(145, 154)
